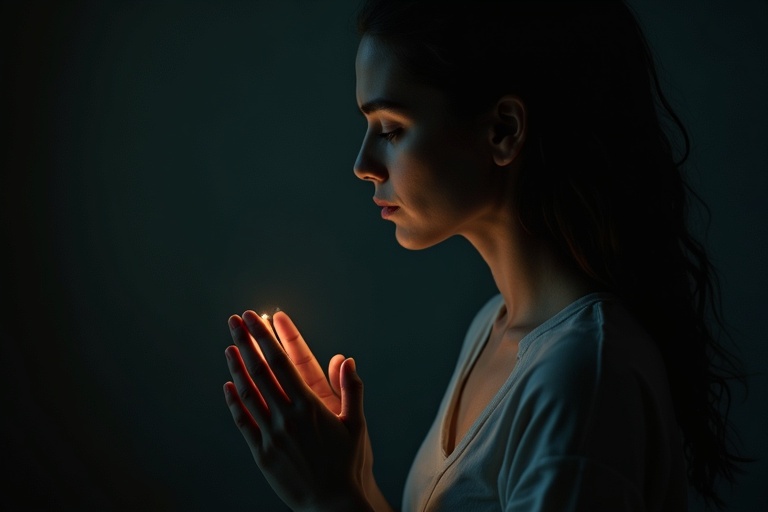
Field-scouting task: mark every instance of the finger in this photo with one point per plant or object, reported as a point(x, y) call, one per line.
point(282, 369)
point(301, 355)
point(351, 396)
point(247, 393)
point(236, 322)
point(245, 423)
point(334, 373)
point(255, 364)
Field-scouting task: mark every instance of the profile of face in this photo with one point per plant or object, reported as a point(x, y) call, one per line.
point(433, 176)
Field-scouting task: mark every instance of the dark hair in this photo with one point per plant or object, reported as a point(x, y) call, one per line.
point(600, 181)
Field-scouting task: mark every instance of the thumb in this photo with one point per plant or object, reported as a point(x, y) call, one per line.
point(351, 395)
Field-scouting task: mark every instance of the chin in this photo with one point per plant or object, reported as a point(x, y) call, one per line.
point(416, 242)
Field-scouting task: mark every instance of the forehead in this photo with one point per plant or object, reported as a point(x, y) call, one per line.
point(374, 65)
point(379, 76)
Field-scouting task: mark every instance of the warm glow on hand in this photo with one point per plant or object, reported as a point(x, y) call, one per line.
point(305, 438)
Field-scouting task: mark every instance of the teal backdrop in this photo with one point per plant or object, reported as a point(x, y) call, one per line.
point(166, 164)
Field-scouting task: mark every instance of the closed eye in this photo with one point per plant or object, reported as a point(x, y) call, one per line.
point(391, 135)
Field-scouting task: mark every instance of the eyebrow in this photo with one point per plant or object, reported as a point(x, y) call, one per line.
point(383, 104)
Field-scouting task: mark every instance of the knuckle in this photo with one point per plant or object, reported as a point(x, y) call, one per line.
point(274, 359)
point(257, 368)
point(241, 420)
point(245, 393)
point(284, 428)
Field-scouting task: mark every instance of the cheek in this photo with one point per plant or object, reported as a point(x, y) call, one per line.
point(434, 175)
point(418, 183)
point(448, 182)
point(412, 170)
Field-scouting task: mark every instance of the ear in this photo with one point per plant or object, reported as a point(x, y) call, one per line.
point(507, 129)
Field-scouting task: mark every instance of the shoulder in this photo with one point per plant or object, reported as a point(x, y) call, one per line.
point(564, 354)
point(597, 376)
point(591, 402)
point(597, 341)
point(594, 366)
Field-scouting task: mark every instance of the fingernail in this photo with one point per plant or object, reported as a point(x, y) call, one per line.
point(233, 322)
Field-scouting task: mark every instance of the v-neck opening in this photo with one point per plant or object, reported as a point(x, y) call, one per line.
point(447, 421)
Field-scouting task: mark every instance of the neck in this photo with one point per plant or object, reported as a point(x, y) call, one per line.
point(535, 284)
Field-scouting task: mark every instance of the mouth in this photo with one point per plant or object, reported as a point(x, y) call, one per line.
point(382, 203)
point(387, 209)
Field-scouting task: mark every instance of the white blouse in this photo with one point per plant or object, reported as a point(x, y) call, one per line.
point(583, 422)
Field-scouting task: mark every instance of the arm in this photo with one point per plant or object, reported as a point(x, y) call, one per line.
point(308, 436)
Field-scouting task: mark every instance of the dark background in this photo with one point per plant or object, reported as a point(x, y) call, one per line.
point(167, 164)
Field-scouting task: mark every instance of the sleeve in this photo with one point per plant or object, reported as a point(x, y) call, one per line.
point(577, 441)
point(571, 484)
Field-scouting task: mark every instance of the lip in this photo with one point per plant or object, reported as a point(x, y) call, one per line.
point(382, 203)
point(387, 209)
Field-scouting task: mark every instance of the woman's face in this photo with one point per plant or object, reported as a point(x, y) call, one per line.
point(432, 178)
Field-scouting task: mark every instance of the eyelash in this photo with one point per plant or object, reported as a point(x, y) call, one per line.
point(391, 134)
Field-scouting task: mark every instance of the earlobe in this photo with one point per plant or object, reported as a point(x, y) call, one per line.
point(508, 129)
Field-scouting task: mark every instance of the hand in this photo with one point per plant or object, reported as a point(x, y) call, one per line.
point(328, 390)
point(312, 456)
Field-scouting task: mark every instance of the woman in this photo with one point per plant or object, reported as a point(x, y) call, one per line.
point(592, 381)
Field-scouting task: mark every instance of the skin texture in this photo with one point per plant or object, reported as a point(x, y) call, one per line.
point(451, 178)
point(435, 171)
point(309, 440)
point(306, 430)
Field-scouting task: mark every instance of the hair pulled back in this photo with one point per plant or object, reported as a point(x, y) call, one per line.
point(600, 182)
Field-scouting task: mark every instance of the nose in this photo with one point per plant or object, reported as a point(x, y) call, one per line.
point(368, 165)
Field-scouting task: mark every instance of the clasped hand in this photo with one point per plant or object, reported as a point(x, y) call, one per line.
point(307, 433)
